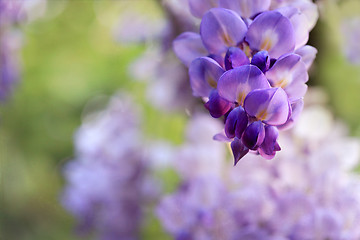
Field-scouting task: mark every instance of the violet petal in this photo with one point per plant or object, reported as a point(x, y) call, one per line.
point(236, 122)
point(261, 60)
point(235, 57)
point(188, 46)
point(217, 105)
point(235, 84)
point(269, 147)
point(273, 32)
point(238, 150)
point(246, 8)
point(221, 28)
point(268, 105)
point(204, 74)
point(254, 135)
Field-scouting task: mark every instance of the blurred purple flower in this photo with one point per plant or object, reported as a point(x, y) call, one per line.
point(307, 193)
point(13, 13)
point(109, 181)
point(257, 61)
point(351, 34)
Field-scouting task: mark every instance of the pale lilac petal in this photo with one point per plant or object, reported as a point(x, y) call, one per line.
point(239, 150)
point(296, 109)
point(261, 60)
point(236, 122)
point(297, 19)
point(199, 7)
point(204, 74)
point(289, 73)
point(235, 57)
point(268, 105)
point(254, 135)
point(246, 8)
point(273, 32)
point(221, 137)
point(269, 147)
point(235, 84)
point(308, 55)
point(188, 46)
point(217, 105)
point(221, 28)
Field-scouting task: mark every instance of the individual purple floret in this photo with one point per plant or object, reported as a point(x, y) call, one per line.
point(108, 181)
point(308, 193)
point(256, 63)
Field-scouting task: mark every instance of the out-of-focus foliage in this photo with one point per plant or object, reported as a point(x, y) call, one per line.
point(333, 70)
point(68, 60)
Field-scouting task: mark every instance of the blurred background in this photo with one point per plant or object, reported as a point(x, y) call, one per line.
point(73, 61)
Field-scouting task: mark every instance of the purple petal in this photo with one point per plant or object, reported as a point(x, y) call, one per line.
point(199, 7)
point(188, 46)
point(289, 73)
point(235, 57)
point(238, 149)
point(236, 122)
point(272, 32)
point(204, 74)
point(217, 105)
point(308, 54)
point(221, 28)
point(246, 8)
point(221, 137)
point(268, 105)
point(235, 84)
point(254, 135)
point(296, 109)
point(261, 60)
point(269, 147)
point(297, 20)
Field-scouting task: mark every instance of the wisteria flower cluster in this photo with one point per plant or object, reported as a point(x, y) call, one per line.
point(250, 64)
point(108, 181)
point(308, 193)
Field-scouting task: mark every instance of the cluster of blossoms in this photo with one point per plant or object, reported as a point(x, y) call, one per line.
point(249, 63)
point(307, 193)
point(13, 13)
point(109, 181)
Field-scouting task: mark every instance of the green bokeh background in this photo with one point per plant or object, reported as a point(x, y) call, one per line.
point(72, 58)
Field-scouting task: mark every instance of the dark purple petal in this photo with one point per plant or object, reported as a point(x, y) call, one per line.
point(199, 7)
point(236, 122)
point(246, 8)
point(296, 109)
point(268, 105)
point(272, 32)
point(217, 105)
point(235, 57)
point(308, 54)
point(204, 74)
point(235, 84)
point(254, 135)
point(238, 150)
point(261, 60)
point(297, 20)
point(188, 46)
point(289, 73)
point(269, 147)
point(221, 28)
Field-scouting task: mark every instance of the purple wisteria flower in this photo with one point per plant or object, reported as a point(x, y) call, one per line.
point(308, 193)
point(255, 70)
point(109, 181)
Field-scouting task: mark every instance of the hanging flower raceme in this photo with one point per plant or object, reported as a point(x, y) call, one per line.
point(109, 181)
point(255, 70)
